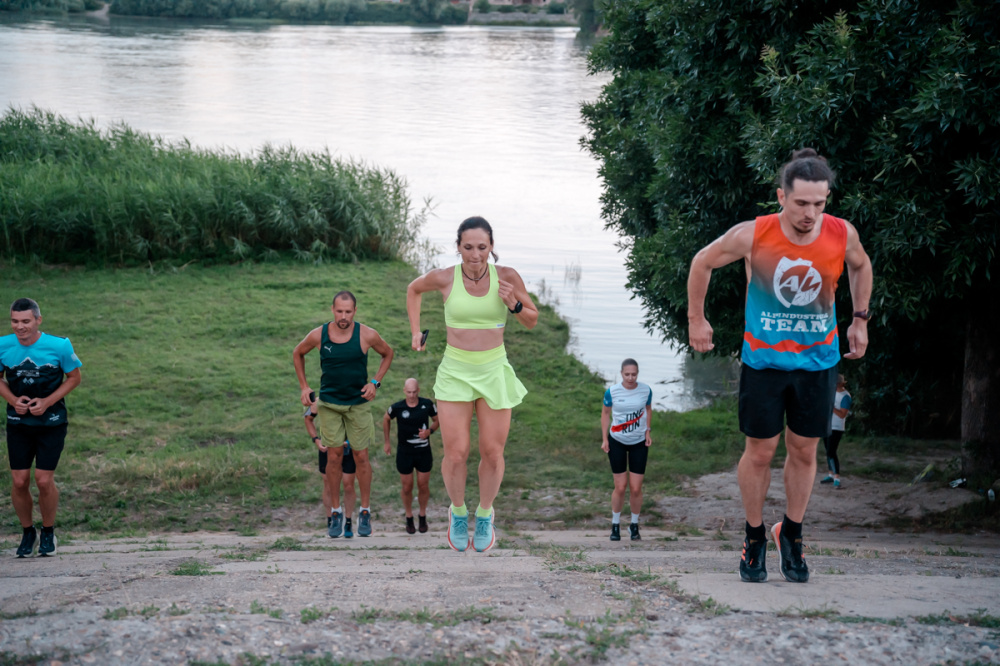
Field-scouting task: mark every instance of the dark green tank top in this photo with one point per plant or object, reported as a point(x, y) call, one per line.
point(345, 368)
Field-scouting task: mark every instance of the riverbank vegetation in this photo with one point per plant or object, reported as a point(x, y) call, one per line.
point(47, 6)
point(74, 193)
point(326, 11)
point(189, 417)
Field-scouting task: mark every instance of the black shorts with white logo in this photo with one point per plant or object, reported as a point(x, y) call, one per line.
point(769, 396)
point(409, 458)
point(42, 445)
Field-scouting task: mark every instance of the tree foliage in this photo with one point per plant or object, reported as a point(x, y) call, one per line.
point(329, 11)
point(903, 97)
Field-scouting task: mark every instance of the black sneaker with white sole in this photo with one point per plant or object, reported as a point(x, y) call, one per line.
point(633, 530)
point(616, 534)
point(27, 547)
point(47, 543)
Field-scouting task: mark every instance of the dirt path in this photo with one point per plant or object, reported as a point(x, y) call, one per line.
point(541, 596)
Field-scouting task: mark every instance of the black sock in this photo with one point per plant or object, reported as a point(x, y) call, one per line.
point(28, 530)
point(756, 533)
point(48, 530)
point(792, 529)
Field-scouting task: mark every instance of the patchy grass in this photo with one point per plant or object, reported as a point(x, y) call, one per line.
point(436, 619)
point(195, 568)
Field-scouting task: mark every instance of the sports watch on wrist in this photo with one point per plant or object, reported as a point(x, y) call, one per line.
point(377, 383)
point(517, 308)
point(863, 314)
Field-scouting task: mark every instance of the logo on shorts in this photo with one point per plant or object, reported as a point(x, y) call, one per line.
point(796, 283)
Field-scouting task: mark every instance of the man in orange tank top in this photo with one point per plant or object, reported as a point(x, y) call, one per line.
point(790, 346)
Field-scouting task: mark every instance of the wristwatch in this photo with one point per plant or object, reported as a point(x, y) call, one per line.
point(517, 308)
point(317, 439)
point(377, 383)
point(863, 314)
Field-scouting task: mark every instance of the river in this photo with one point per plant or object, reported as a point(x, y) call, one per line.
point(480, 120)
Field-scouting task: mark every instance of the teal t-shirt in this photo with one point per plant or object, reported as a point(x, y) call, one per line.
point(36, 371)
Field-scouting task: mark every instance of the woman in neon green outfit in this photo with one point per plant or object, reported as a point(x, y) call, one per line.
point(474, 375)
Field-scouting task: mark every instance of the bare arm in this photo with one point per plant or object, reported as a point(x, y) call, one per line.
point(841, 413)
point(435, 280)
point(735, 244)
point(38, 406)
point(376, 342)
point(310, 420)
point(649, 425)
point(859, 270)
point(385, 430)
point(308, 343)
point(605, 425)
point(512, 290)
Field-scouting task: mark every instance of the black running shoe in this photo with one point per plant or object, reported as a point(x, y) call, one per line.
point(791, 564)
point(27, 547)
point(753, 565)
point(47, 543)
point(410, 527)
point(633, 530)
point(348, 530)
point(616, 534)
point(422, 524)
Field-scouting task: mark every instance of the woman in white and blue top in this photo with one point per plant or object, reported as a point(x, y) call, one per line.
point(625, 423)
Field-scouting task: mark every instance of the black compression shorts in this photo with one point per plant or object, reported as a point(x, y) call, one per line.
point(627, 457)
point(347, 466)
point(409, 458)
point(42, 445)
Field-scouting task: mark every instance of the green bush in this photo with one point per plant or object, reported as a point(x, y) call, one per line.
point(506, 9)
point(76, 194)
point(483, 6)
point(556, 8)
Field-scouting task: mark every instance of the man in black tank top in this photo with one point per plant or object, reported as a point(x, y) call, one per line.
point(345, 391)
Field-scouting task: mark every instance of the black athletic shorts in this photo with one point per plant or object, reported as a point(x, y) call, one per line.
point(768, 396)
point(409, 458)
point(347, 465)
point(627, 457)
point(39, 444)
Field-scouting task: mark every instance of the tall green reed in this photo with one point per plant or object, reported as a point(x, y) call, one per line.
point(73, 193)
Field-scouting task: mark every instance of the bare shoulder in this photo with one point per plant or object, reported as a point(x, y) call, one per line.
point(507, 274)
point(436, 278)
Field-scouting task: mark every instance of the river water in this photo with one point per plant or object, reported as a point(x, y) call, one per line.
point(480, 120)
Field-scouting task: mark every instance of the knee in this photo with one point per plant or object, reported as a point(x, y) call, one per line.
point(758, 454)
point(22, 482)
point(492, 456)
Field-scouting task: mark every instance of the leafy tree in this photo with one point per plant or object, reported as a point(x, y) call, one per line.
point(903, 97)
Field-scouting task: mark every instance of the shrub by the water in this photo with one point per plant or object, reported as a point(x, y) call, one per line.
point(73, 193)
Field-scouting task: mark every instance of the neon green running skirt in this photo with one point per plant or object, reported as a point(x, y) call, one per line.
point(466, 376)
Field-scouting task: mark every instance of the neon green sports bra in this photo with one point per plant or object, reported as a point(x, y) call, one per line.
point(462, 310)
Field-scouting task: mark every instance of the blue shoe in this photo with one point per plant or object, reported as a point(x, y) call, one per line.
point(485, 535)
point(348, 532)
point(827, 479)
point(336, 524)
point(364, 523)
point(458, 532)
point(836, 484)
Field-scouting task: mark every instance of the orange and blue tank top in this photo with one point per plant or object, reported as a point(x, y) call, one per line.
point(791, 319)
point(463, 310)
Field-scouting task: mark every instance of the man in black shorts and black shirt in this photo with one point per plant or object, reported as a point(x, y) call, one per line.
point(416, 419)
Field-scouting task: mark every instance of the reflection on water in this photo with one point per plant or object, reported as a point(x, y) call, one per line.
point(484, 120)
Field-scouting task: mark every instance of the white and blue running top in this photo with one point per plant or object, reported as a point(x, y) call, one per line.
point(628, 412)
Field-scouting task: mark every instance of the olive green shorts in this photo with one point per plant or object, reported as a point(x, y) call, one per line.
point(351, 422)
point(466, 376)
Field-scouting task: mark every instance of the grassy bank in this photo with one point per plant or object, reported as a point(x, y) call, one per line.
point(74, 193)
point(188, 415)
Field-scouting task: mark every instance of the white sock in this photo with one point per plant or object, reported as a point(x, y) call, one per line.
point(364, 508)
point(616, 517)
point(334, 510)
point(635, 519)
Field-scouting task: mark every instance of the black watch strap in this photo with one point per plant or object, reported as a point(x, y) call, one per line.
point(517, 308)
point(863, 314)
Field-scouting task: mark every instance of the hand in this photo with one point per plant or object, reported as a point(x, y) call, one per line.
point(700, 335)
point(857, 339)
point(415, 342)
point(319, 445)
point(305, 397)
point(38, 406)
point(368, 391)
point(387, 449)
point(21, 405)
point(605, 446)
point(649, 439)
point(424, 433)
point(506, 291)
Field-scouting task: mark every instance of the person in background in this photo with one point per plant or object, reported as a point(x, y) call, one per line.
point(416, 420)
point(348, 467)
point(841, 408)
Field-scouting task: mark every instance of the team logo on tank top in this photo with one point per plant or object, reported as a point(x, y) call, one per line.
point(796, 282)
